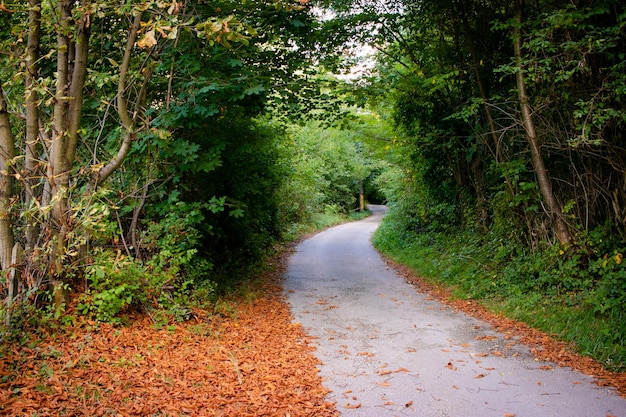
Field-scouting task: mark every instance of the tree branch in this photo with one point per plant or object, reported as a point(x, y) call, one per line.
point(122, 107)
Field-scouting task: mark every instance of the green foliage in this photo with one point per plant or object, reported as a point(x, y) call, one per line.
point(197, 191)
point(118, 282)
point(327, 167)
point(115, 283)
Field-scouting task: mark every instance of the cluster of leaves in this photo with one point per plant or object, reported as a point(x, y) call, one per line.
point(259, 357)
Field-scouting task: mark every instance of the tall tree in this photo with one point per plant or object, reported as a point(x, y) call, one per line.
point(545, 182)
point(7, 155)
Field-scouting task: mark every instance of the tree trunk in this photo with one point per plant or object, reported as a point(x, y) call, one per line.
point(543, 178)
point(469, 40)
point(71, 73)
point(361, 197)
point(482, 205)
point(31, 140)
point(7, 155)
point(499, 157)
point(57, 165)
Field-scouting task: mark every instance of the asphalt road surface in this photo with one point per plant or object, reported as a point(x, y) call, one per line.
point(388, 350)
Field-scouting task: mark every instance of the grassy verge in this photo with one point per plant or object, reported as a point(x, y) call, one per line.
point(551, 291)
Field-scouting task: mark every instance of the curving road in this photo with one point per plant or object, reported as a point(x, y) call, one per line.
point(388, 350)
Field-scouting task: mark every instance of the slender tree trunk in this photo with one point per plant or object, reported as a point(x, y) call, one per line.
point(469, 41)
point(7, 155)
point(482, 206)
point(361, 197)
point(72, 56)
point(57, 165)
point(31, 142)
point(543, 178)
point(77, 84)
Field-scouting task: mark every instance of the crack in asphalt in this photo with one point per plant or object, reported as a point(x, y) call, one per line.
point(388, 350)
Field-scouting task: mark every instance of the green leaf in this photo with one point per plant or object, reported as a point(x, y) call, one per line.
point(258, 89)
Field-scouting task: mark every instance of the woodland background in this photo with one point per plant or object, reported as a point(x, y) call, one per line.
point(153, 153)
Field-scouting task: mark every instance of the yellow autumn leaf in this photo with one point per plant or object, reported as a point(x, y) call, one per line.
point(147, 41)
point(618, 258)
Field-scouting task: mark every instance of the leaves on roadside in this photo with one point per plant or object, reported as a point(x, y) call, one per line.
point(258, 363)
point(543, 346)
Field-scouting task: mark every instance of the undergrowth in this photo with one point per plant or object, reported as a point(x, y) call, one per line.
point(576, 294)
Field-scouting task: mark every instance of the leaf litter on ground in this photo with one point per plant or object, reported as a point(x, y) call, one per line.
point(257, 362)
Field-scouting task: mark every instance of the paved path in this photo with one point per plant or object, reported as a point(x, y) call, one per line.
point(388, 350)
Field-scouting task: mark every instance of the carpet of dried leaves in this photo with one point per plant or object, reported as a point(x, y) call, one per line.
point(256, 363)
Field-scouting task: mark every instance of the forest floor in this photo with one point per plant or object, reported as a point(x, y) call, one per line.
point(253, 361)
